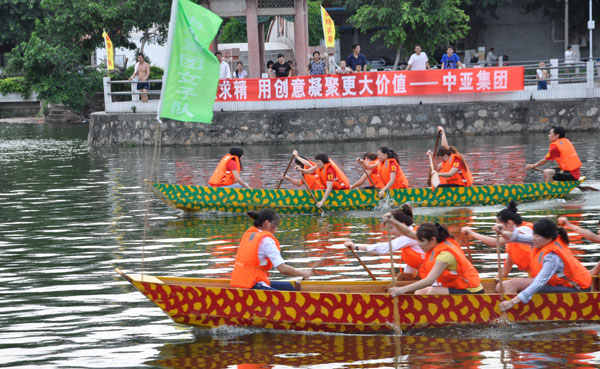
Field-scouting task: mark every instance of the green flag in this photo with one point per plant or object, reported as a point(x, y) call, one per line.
point(190, 87)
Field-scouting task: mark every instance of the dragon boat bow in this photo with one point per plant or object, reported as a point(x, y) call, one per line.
point(346, 307)
point(199, 198)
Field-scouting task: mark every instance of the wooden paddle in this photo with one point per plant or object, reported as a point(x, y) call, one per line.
point(311, 194)
point(468, 248)
point(503, 314)
point(368, 176)
point(582, 188)
point(284, 173)
point(435, 177)
point(363, 264)
point(395, 298)
point(437, 141)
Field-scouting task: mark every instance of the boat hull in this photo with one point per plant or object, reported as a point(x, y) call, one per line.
point(340, 307)
point(199, 198)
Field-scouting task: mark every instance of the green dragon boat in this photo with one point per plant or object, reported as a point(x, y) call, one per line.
point(239, 200)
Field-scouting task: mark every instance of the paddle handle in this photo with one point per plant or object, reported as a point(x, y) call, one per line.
point(437, 142)
point(368, 176)
point(363, 265)
point(286, 170)
point(311, 193)
point(434, 179)
point(395, 298)
point(500, 283)
point(468, 248)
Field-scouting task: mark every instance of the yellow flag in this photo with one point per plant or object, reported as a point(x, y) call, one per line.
point(328, 28)
point(110, 58)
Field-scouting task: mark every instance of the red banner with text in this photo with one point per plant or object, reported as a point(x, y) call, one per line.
point(373, 84)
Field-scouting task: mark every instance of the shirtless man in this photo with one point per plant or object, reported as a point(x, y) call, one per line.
point(143, 72)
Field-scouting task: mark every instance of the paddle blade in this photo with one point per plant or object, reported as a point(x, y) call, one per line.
point(435, 180)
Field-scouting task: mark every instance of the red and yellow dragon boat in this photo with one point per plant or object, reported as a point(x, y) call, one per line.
point(346, 306)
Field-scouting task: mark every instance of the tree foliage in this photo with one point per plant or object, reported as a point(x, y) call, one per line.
point(17, 21)
point(233, 31)
point(431, 23)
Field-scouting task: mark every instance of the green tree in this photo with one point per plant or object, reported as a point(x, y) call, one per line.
point(233, 31)
point(431, 23)
point(17, 21)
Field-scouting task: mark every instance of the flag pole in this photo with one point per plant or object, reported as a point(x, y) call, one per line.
point(171, 34)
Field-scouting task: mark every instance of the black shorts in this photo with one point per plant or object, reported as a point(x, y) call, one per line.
point(143, 86)
point(562, 175)
point(457, 291)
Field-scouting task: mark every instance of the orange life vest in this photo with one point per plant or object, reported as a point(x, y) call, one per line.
point(463, 177)
point(568, 159)
point(375, 177)
point(247, 270)
point(413, 258)
point(312, 180)
point(575, 274)
point(222, 177)
point(340, 182)
point(465, 275)
point(384, 170)
point(520, 253)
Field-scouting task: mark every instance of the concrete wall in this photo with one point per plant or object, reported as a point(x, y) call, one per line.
point(347, 124)
point(14, 105)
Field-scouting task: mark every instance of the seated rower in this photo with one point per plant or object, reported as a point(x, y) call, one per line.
point(588, 235)
point(411, 252)
point(517, 253)
point(388, 168)
point(561, 150)
point(312, 180)
point(452, 170)
point(370, 160)
point(228, 171)
point(259, 251)
point(445, 262)
point(330, 176)
point(554, 267)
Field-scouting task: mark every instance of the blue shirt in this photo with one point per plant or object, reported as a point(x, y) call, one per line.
point(450, 62)
point(352, 62)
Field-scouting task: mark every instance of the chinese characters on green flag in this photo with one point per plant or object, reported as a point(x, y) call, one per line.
point(190, 87)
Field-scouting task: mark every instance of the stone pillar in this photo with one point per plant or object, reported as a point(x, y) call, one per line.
point(300, 36)
point(554, 71)
point(261, 48)
point(253, 43)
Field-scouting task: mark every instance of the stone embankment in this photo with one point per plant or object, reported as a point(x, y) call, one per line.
point(323, 125)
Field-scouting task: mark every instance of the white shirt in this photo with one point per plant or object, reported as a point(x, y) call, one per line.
point(267, 249)
point(418, 62)
point(569, 56)
point(397, 244)
point(224, 72)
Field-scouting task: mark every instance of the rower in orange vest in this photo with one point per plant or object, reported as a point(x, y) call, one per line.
point(370, 161)
point(517, 253)
point(259, 251)
point(562, 151)
point(330, 175)
point(411, 253)
point(389, 170)
point(453, 170)
point(227, 173)
point(312, 180)
point(588, 235)
point(554, 267)
point(445, 263)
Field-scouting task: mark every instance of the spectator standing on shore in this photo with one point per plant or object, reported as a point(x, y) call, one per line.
point(356, 58)
point(270, 71)
point(491, 59)
point(224, 72)
point(239, 71)
point(294, 72)
point(569, 55)
point(541, 75)
point(316, 66)
point(450, 60)
point(418, 60)
point(281, 68)
point(142, 71)
point(359, 69)
point(343, 69)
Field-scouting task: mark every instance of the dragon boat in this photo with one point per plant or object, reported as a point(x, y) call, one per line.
point(199, 198)
point(347, 307)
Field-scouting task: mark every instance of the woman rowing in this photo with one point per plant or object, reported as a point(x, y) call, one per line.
point(411, 252)
point(445, 262)
point(388, 168)
point(553, 266)
point(371, 175)
point(259, 251)
point(517, 253)
point(452, 170)
point(330, 176)
point(588, 235)
point(227, 173)
point(312, 180)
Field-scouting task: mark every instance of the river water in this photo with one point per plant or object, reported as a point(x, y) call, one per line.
point(70, 214)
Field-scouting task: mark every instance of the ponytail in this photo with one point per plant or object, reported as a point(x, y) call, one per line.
point(427, 231)
point(510, 213)
point(262, 216)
